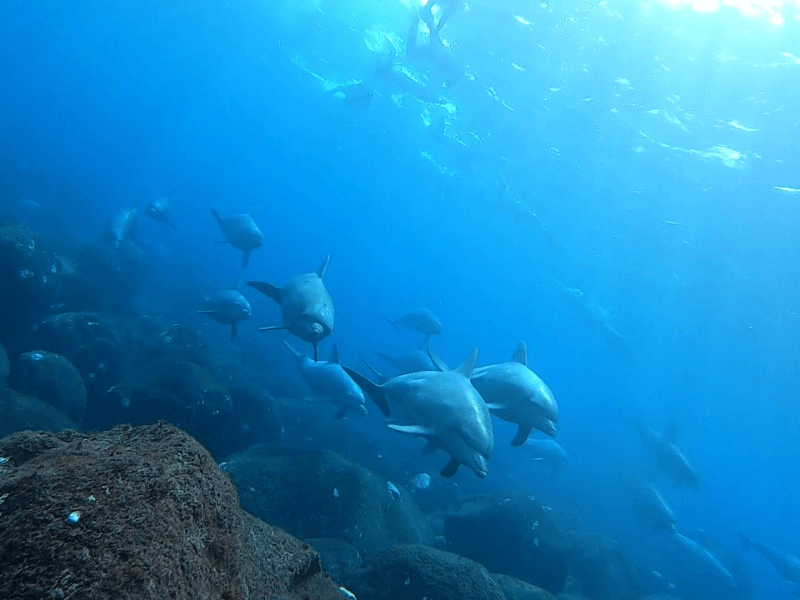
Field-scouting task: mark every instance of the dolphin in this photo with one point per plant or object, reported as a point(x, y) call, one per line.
point(703, 558)
point(787, 565)
point(241, 232)
point(651, 504)
point(666, 455)
point(421, 320)
point(159, 210)
point(516, 394)
point(228, 307)
point(546, 451)
point(410, 362)
point(306, 305)
point(442, 407)
point(123, 226)
point(328, 380)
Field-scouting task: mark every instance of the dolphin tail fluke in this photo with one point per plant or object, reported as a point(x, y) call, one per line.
point(267, 289)
point(437, 362)
point(451, 467)
point(233, 331)
point(373, 390)
point(522, 435)
point(245, 259)
point(323, 267)
point(220, 222)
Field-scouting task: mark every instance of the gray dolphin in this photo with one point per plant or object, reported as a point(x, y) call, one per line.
point(329, 381)
point(702, 558)
point(665, 454)
point(241, 232)
point(306, 305)
point(651, 504)
point(421, 320)
point(548, 452)
point(442, 407)
point(159, 210)
point(516, 394)
point(123, 226)
point(228, 307)
point(787, 565)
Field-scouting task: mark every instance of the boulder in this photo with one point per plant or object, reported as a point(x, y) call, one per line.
point(603, 568)
point(19, 412)
point(512, 535)
point(516, 589)
point(416, 571)
point(52, 378)
point(137, 513)
point(180, 392)
point(338, 557)
point(319, 494)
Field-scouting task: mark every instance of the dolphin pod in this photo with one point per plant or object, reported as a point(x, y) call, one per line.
point(442, 407)
point(306, 305)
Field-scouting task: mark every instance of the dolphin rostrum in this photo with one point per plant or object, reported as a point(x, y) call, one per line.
point(306, 305)
point(516, 394)
point(327, 380)
point(442, 407)
point(666, 455)
point(787, 565)
point(421, 320)
point(228, 307)
point(241, 232)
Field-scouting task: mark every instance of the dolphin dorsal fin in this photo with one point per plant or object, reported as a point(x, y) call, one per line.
point(323, 267)
point(469, 364)
point(437, 362)
point(521, 354)
point(671, 433)
point(334, 355)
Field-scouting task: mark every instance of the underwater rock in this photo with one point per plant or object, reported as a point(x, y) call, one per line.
point(181, 393)
point(516, 589)
point(52, 378)
point(29, 277)
point(258, 419)
point(512, 535)
point(137, 513)
point(19, 412)
point(180, 342)
point(416, 571)
point(319, 494)
point(603, 568)
point(338, 557)
point(5, 367)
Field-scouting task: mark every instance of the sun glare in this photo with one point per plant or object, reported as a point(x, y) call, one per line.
point(770, 10)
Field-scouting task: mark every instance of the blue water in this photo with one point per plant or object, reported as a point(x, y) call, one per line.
point(643, 147)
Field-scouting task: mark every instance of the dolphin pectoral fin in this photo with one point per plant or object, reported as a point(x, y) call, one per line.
point(522, 435)
point(411, 429)
point(340, 414)
point(245, 258)
point(521, 354)
point(451, 467)
point(323, 267)
point(220, 222)
point(267, 289)
point(292, 349)
point(233, 331)
point(437, 362)
point(429, 448)
point(334, 355)
point(208, 312)
point(372, 390)
point(469, 364)
point(171, 224)
point(273, 328)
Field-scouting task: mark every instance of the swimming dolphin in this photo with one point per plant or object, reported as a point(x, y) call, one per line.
point(702, 558)
point(547, 452)
point(651, 504)
point(241, 232)
point(306, 305)
point(666, 455)
point(442, 407)
point(421, 320)
point(123, 227)
point(787, 565)
point(159, 210)
point(228, 307)
point(516, 394)
point(329, 381)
